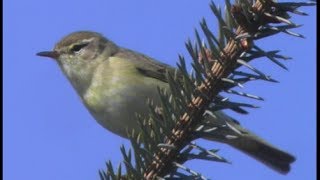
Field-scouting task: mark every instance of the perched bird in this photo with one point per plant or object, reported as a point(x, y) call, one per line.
point(114, 83)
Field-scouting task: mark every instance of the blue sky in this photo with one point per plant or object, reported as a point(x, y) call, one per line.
point(48, 134)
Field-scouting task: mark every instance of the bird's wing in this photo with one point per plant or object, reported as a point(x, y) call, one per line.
point(154, 69)
point(147, 65)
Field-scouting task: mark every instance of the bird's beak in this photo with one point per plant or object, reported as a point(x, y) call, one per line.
point(50, 54)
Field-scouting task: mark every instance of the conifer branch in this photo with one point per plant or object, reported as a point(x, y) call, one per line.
point(165, 142)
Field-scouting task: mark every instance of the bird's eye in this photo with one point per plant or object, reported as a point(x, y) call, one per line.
point(78, 47)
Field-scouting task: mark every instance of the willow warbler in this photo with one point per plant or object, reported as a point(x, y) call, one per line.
point(114, 83)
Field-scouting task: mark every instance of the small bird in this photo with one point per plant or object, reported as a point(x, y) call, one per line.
point(115, 83)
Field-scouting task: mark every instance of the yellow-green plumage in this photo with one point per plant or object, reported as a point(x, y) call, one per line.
point(118, 93)
point(114, 83)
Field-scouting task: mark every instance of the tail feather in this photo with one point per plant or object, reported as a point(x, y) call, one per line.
point(265, 153)
point(249, 143)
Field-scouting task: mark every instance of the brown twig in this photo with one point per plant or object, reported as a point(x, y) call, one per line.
point(181, 134)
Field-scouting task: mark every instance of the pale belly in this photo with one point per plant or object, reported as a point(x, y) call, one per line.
point(116, 110)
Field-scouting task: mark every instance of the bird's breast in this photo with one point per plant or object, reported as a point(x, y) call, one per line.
point(117, 92)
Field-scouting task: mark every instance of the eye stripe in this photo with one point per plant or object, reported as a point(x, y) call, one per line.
point(78, 47)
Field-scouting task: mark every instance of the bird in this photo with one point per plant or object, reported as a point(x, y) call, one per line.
point(115, 83)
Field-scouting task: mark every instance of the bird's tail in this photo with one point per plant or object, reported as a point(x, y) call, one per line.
point(265, 153)
point(249, 143)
